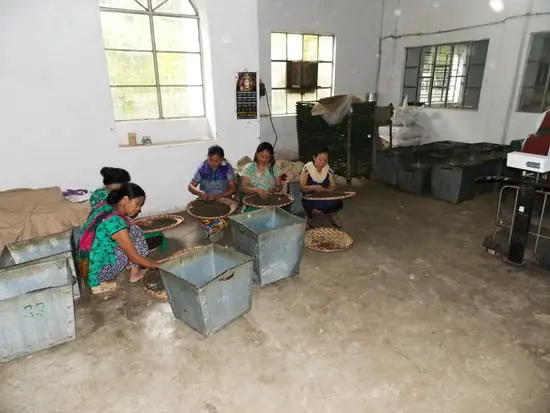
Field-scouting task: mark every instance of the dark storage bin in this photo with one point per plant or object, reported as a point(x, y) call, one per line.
point(415, 178)
point(388, 165)
point(454, 183)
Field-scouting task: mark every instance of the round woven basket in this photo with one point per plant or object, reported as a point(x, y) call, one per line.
point(147, 224)
point(229, 202)
point(335, 197)
point(327, 240)
point(152, 280)
point(248, 201)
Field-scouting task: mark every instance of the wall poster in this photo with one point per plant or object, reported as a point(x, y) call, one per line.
point(247, 96)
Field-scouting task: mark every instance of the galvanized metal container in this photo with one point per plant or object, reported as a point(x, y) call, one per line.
point(275, 238)
point(36, 306)
point(209, 287)
point(41, 247)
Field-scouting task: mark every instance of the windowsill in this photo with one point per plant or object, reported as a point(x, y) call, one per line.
point(169, 144)
point(451, 109)
point(286, 115)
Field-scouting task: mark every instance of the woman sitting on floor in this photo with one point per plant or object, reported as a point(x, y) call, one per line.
point(113, 178)
point(108, 242)
point(261, 177)
point(213, 180)
point(318, 177)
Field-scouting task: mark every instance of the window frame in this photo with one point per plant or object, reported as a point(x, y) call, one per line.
point(446, 76)
point(151, 13)
point(546, 91)
point(271, 61)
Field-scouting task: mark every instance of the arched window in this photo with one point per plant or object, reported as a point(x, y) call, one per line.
point(154, 58)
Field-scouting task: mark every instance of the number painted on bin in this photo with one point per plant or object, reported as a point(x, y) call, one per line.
point(34, 311)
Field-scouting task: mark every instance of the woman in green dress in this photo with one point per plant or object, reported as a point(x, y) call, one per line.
point(261, 177)
point(113, 178)
point(106, 245)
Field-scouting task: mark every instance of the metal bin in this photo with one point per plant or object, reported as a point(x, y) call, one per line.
point(275, 238)
point(208, 287)
point(36, 306)
point(38, 248)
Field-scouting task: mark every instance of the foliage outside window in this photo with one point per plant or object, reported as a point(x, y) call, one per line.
point(446, 75)
point(300, 47)
point(154, 58)
point(535, 96)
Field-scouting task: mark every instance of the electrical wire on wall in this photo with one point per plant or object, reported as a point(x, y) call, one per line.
point(271, 119)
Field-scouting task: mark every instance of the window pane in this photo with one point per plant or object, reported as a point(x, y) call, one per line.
point(131, 68)
point(479, 52)
point(310, 48)
point(174, 6)
point(530, 101)
point(411, 77)
point(309, 96)
point(324, 78)
point(413, 57)
point(294, 46)
point(475, 76)
point(179, 69)
point(326, 48)
point(278, 74)
point(176, 34)
point(424, 91)
point(135, 103)
point(530, 76)
point(178, 102)
point(126, 31)
point(124, 4)
point(291, 99)
point(323, 93)
point(278, 46)
point(456, 86)
point(471, 98)
point(279, 101)
point(410, 93)
point(540, 46)
point(438, 96)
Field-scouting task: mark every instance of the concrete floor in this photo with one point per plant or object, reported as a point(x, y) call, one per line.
point(416, 317)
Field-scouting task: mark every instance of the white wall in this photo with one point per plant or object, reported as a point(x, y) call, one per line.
point(417, 23)
point(356, 26)
point(58, 124)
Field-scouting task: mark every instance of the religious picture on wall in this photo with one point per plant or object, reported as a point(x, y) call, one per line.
point(247, 96)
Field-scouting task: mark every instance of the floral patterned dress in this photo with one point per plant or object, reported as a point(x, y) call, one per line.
point(107, 259)
point(265, 181)
point(98, 196)
point(213, 182)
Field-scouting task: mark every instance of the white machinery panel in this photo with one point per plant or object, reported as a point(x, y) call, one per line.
point(528, 162)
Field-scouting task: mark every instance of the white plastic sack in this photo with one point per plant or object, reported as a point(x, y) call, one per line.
point(406, 115)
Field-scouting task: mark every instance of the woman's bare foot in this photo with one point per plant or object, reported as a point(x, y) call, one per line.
point(335, 221)
point(135, 275)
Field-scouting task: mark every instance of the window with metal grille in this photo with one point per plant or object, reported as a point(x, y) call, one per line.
point(446, 75)
point(535, 96)
point(289, 47)
point(154, 58)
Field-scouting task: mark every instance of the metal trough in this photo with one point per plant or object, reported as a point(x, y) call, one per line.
point(41, 247)
point(208, 287)
point(275, 238)
point(36, 306)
